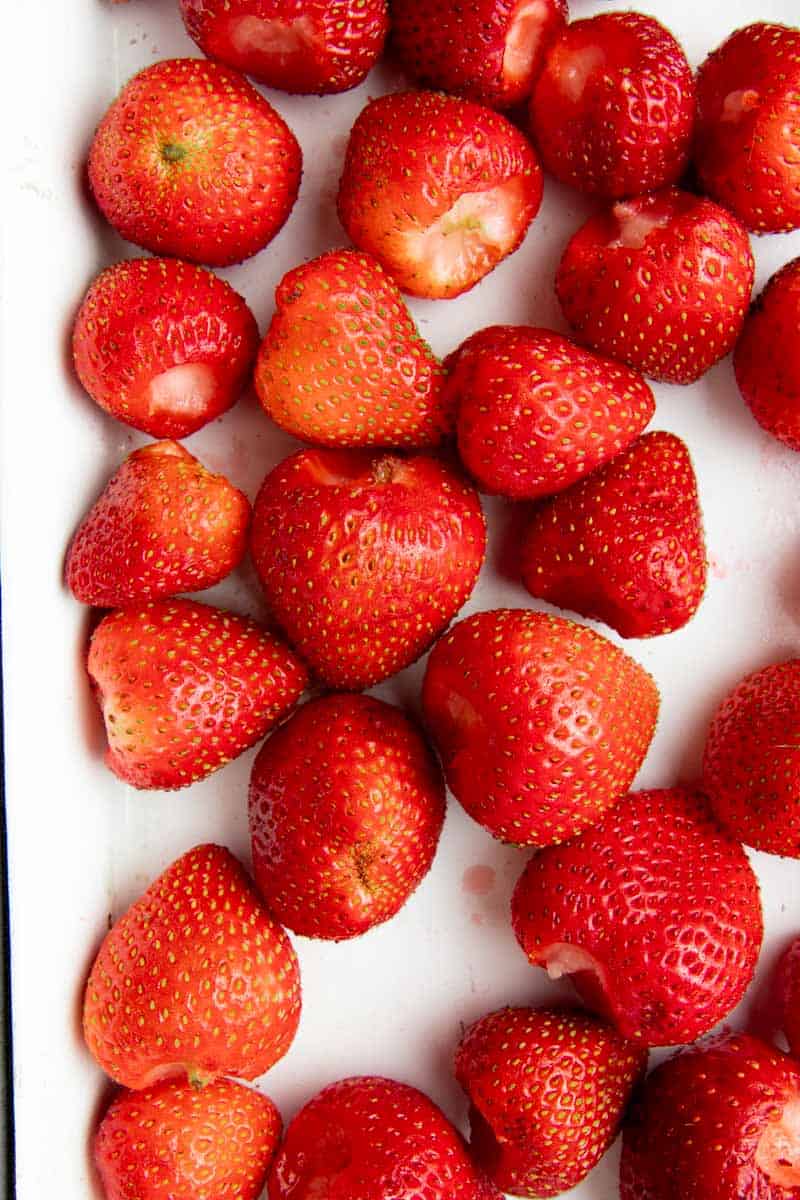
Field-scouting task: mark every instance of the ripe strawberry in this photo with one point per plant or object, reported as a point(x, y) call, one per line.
point(547, 1090)
point(751, 765)
point(365, 559)
point(305, 46)
point(767, 356)
point(184, 688)
point(661, 282)
point(488, 50)
point(625, 545)
point(612, 112)
point(541, 724)
point(342, 363)
point(655, 913)
point(195, 979)
point(190, 160)
point(174, 1141)
point(786, 986)
point(163, 345)
point(747, 149)
point(535, 412)
point(346, 808)
point(438, 189)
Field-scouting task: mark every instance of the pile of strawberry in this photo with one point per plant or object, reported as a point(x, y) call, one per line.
point(369, 540)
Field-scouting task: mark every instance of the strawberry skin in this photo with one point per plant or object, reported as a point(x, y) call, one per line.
point(654, 913)
point(346, 808)
point(184, 688)
point(786, 987)
point(195, 980)
point(625, 545)
point(661, 282)
point(162, 525)
point(541, 724)
point(767, 356)
point(535, 412)
point(175, 1141)
point(365, 559)
point(191, 161)
point(547, 1091)
point(342, 363)
point(163, 345)
point(438, 189)
point(747, 149)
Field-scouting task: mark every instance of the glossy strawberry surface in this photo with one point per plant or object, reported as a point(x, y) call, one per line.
point(767, 356)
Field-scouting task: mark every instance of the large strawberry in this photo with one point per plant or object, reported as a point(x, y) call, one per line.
point(195, 980)
point(654, 913)
point(541, 724)
point(767, 356)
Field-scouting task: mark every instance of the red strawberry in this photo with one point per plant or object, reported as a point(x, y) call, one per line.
point(786, 987)
point(190, 160)
point(751, 766)
point(716, 1122)
point(536, 412)
point(195, 979)
point(163, 345)
point(613, 109)
point(346, 808)
point(438, 189)
point(767, 356)
point(377, 1139)
point(184, 688)
point(488, 50)
point(174, 1141)
point(541, 724)
point(305, 46)
point(747, 150)
point(625, 545)
point(547, 1090)
point(342, 363)
point(365, 559)
point(655, 913)
point(661, 282)
point(162, 525)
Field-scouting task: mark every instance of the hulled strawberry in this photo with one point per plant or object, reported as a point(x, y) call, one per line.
point(786, 989)
point(440, 190)
point(767, 356)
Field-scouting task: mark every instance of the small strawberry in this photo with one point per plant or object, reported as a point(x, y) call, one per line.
point(196, 979)
point(661, 282)
point(786, 991)
point(163, 345)
point(342, 363)
point(184, 688)
point(535, 412)
point(365, 559)
point(547, 1091)
point(654, 913)
point(541, 724)
point(767, 356)
point(190, 160)
point(439, 190)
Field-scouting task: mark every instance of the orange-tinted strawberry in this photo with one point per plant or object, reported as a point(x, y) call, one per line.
point(767, 356)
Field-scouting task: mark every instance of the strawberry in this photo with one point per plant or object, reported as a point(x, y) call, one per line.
point(767, 356)
point(439, 190)
point(184, 688)
point(655, 913)
point(661, 282)
point(190, 160)
point(342, 363)
point(195, 980)
point(365, 559)
point(747, 149)
point(612, 112)
point(719, 1121)
point(547, 1090)
point(174, 1141)
point(346, 808)
point(786, 989)
point(625, 545)
point(163, 524)
point(535, 412)
point(488, 50)
point(541, 724)
point(751, 764)
point(305, 46)
point(163, 345)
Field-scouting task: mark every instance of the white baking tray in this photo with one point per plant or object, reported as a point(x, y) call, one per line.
point(82, 846)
